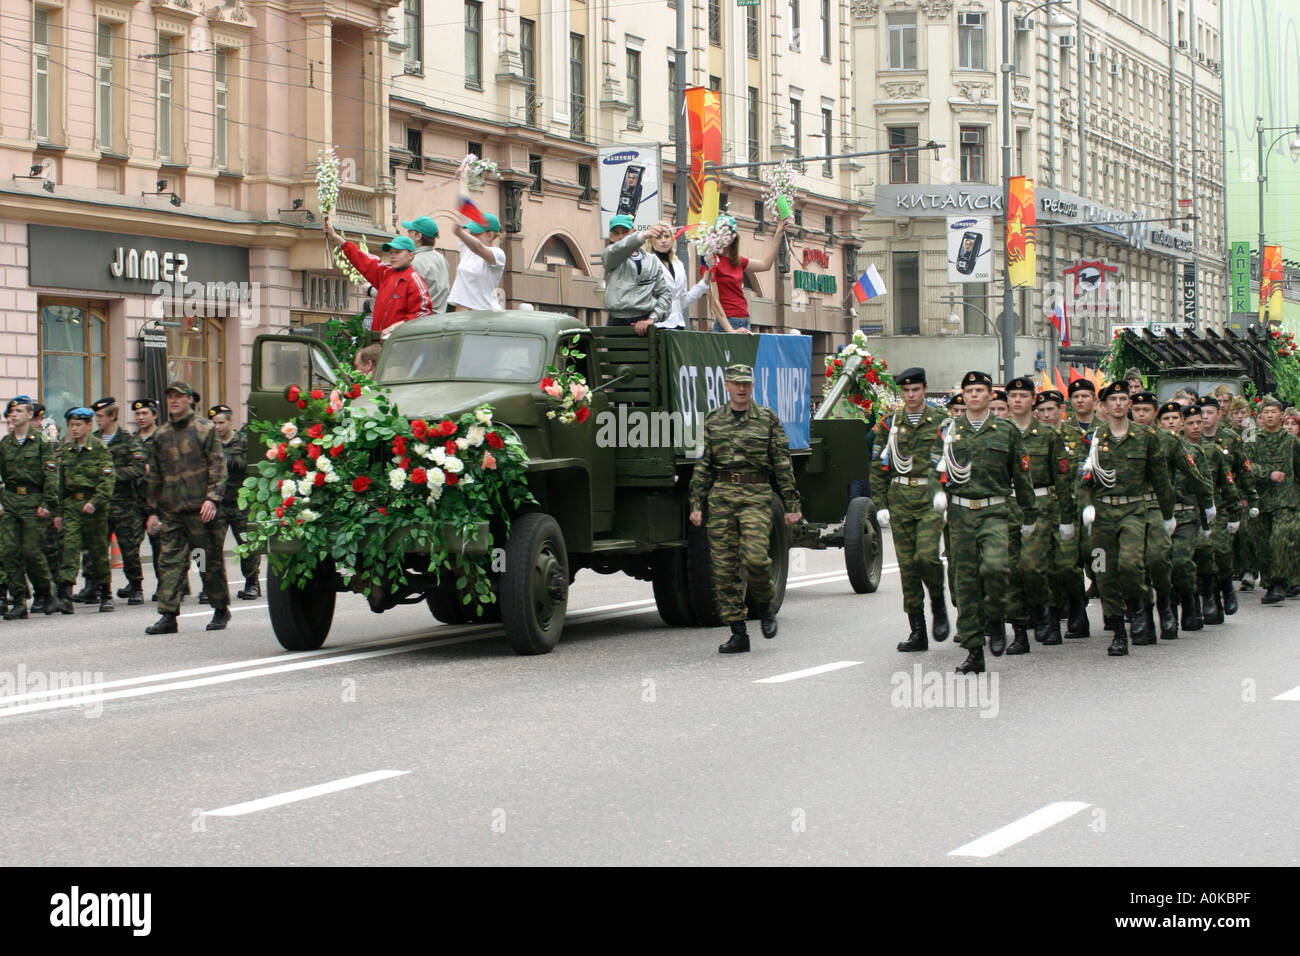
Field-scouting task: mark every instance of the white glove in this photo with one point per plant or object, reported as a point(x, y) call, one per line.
point(882, 517)
point(1067, 532)
point(1089, 516)
point(940, 501)
point(1254, 512)
point(1170, 525)
point(1234, 527)
point(1027, 530)
point(1210, 512)
point(1205, 534)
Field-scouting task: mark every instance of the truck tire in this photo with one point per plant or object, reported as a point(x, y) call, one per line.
point(862, 546)
point(444, 604)
point(301, 617)
point(778, 550)
point(704, 595)
point(534, 592)
point(672, 588)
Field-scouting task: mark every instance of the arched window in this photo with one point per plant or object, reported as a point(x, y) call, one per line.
point(555, 251)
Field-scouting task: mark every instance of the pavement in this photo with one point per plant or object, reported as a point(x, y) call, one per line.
point(403, 741)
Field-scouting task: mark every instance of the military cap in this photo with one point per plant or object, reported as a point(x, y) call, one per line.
point(38, 408)
point(1144, 398)
point(20, 400)
point(912, 376)
point(956, 398)
point(181, 387)
point(1114, 388)
point(1082, 385)
point(103, 403)
point(999, 395)
point(81, 414)
point(1171, 406)
point(1132, 375)
point(977, 378)
point(1021, 384)
point(1051, 395)
point(1271, 401)
point(1191, 411)
point(1209, 400)
point(148, 403)
point(216, 410)
point(739, 373)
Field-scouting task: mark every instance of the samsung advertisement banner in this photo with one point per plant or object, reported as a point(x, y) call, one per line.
point(629, 184)
point(970, 249)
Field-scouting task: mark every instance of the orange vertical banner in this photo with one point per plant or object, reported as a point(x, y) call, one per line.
point(1022, 222)
point(704, 121)
point(1270, 286)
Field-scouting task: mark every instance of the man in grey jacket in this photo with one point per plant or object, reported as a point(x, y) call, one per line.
point(635, 285)
point(428, 261)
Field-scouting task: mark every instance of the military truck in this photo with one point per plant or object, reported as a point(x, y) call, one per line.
point(604, 506)
point(1187, 359)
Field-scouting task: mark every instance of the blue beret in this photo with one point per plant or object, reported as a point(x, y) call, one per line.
point(83, 413)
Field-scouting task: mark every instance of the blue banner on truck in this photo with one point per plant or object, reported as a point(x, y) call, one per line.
point(782, 382)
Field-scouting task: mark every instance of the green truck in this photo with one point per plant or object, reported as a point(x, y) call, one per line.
point(606, 506)
point(1187, 359)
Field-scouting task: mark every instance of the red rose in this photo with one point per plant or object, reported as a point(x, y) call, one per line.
point(336, 450)
point(300, 468)
point(288, 502)
point(316, 431)
point(419, 476)
point(547, 382)
point(354, 391)
point(884, 364)
point(292, 393)
point(317, 394)
point(399, 446)
point(494, 440)
point(319, 479)
point(313, 452)
point(446, 427)
point(838, 363)
point(582, 414)
point(450, 448)
point(405, 463)
point(302, 405)
point(383, 511)
point(281, 452)
point(829, 371)
point(419, 428)
point(279, 512)
point(452, 479)
point(360, 483)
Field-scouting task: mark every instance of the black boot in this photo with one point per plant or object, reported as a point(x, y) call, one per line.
point(739, 642)
point(124, 591)
point(87, 595)
point(1227, 596)
point(4, 602)
point(1019, 639)
point(1248, 581)
point(1210, 610)
point(1077, 625)
point(203, 597)
point(1119, 646)
point(1042, 617)
point(995, 633)
point(252, 590)
point(220, 618)
point(65, 598)
point(974, 662)
point(1136, 615)
point(1192, 620)
point(1275, 594)
point(916, 641)
point(1168, 619)
point(1053, 637)
point(105, 597)
point(1293, 591)
point(939, 613)
point(134, 593)
point(51, 605)
point(766, 621)
point(17, 611)
point(166, 624)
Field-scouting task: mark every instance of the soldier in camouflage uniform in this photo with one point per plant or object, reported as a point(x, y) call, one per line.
point(1275, 454)
point(911, 440)
point(86, 479)
point(187, 480)
point(983, 458)
point(1076, 431)
point(234, 445)
point(124, 519)
point(30, 495)
point(1126, 469)
point(1241, 478)
point(745, 454)
point(1191, 524)
point(1036, 569)
point(1229, 510)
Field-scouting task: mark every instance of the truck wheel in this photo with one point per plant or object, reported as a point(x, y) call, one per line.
point(301, 617)
point(778, 550)
point(699, 569)
point(672, 588)
point(444, 604)
point(862, 546)
point(535, 584)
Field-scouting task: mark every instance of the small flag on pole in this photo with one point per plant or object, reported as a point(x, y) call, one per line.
point(471, 211)
point(869, 285)
point(1060, 322)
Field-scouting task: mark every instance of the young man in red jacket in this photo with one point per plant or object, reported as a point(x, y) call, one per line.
point(402, 294)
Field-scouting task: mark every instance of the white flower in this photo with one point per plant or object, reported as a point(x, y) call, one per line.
point(332, 478)
point(439, 455)
point(304, 488)
point(436, 479)
point(454, 466)
point(550, 414)
point(467, 480)
point(435, 492)
point(308, 515)
point(484, 415)
point(475, 435)
point(296, 442)
point(421, 449)
point(397, 478)
point(288, 429)
point(323, 464)
point(462, 443)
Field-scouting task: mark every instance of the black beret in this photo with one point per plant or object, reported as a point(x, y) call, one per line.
point(1168, 407)
point(956, 398)
point(38, 408)
point(1209, 400)
point(1021, 384)
point(977, 378)
point(1114, 388)
point(999, 395)
point(1082, 385)
point(1191, 411)
point(1144, 398)
point(216, 410)
point(103, 403)
point(148, 403)
point(1051, 395)
point(911, 376)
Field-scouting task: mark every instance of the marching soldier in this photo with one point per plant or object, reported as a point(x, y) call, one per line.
point(911, 440)
point(235, 447)
point(29, 497)
point(86, 479)
point(1228, 549)
point(745, 454)
point(1076, 432)
point(1222, 484)
point(1033, 560)
point(1124, 472)
point(983, 459)
point(1189, 511)
point(146, 418)
point(1275, 454)
point(1049, 409)
point(187, 480)
point(124, 519)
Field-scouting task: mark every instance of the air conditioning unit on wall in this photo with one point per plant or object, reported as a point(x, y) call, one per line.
point(1094, 59)
point(1066, 42)
point(1116, 69)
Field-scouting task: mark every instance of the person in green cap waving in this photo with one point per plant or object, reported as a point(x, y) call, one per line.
point(636, 287)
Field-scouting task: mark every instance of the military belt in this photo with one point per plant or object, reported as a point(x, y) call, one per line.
point(19, 490)
point(744, 478)
point(900, 480)
point(975, 504)
point(1126, 499)
point(78, 495)
point(1180, 509)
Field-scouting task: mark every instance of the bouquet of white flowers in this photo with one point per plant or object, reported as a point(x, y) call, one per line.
point(327, 188)
point(477, 169)
point(779, 181)
point(712, 241)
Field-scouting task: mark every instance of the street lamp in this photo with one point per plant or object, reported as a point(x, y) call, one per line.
point(1056, 22)
point(1262, 175)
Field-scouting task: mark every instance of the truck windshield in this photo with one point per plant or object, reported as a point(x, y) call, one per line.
point(462, 355)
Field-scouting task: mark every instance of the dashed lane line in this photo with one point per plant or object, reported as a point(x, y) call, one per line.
point(305, 793)
point(808, 672)
point(1019, 830)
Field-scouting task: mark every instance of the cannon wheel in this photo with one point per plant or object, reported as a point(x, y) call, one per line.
point(444, 604)
point(700, 568)
point(672, 587)
point(301, 617)
point(534, 593)
point(862, 546)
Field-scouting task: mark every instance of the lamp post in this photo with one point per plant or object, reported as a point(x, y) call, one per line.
point(1008, 296)
point(1262, 173)
point(953, 324)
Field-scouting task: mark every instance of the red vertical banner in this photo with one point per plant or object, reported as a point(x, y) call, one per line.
point(1270, 286)
point(1022, 222)
point(704, 121)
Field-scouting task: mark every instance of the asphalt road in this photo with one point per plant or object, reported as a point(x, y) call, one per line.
point(636, 743)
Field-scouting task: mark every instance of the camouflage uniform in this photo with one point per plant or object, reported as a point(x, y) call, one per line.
point(186, 467)
point(124, 518)
point(745, 454)
point(229, 513)
point(1035, 573)
point(31, 480)
point(142, 507)
point(1277, 529)
point(86, 476)
point(1233, 553)
point(1075, 556)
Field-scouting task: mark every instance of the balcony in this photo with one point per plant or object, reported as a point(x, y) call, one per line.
point(358, 204)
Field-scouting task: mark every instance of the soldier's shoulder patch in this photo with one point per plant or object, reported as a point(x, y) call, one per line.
point(1024, 462)
point(1063, 465)
point(51, 465)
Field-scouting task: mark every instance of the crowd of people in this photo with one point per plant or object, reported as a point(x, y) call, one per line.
point(1161, 510)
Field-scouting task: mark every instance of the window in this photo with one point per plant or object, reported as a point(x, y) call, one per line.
point(751, 32)
point(715, 22)
point(828, 225)
point(196, 353)
point(751, 128)
point(475, 148)
point(827, 120)
point(970, 41)
point(1019, 55)
point(906, 291)
point(528, 66)
point(901, 28)
point(577, 86)
point(972, 154)
point(826, 30)
point(760, 214)
point(41, 75)
point(795, 38)
point(974, 306)
point(221, 107)
point(634, 87)
point(584, 182)
point(903, 165)
point(164, 98)
point(415, 146)
point(535, 170)
point(715, 84)
point(1022, 152)
point(74, 354)
point(796, 126)
point(104, 80)
point(473, 44)
point(413, 35)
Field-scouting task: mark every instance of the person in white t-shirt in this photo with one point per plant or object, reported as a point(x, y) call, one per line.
point(481, 266)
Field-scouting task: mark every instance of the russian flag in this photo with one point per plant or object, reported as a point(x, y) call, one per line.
point(1060, 322)
point(869, 285)
point(471, 211)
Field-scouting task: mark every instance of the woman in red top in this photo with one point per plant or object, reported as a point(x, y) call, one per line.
point(727, 298)
point(400, 292)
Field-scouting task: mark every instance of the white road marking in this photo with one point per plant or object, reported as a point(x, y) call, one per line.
point(306, 793)
point(232, 608)
point(1293, 694)
point(808, 672)
point(1021, 829)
